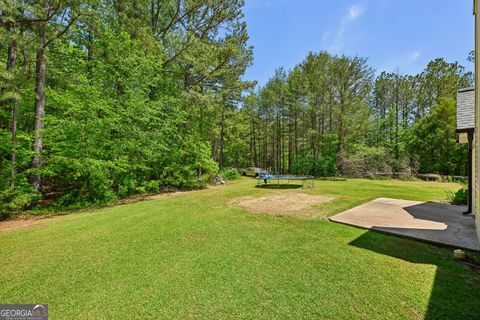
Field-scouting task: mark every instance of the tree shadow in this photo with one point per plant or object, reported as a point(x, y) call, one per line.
point(455, 292)
point(332, 179)
point(444, 212)
point(444, 224)
point(281, 186)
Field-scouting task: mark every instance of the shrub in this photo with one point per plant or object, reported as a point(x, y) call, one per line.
point(141, 190)
point(87, 181)
point(230, 174)
point(16, 200)
point(459, 197)
point(152, 186)
point(365, 161)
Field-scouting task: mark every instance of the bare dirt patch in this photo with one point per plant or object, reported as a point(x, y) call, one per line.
point(289, 203)
point(17, 224)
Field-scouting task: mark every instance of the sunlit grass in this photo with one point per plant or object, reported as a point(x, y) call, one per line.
point(195, 255)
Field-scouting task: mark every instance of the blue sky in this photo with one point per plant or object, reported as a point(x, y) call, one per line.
point(394, 35)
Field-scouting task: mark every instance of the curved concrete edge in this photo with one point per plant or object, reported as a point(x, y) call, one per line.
point(434, 223)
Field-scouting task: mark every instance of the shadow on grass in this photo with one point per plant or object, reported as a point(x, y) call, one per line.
point(279, 186)
point(331, 179)
point(455, 292)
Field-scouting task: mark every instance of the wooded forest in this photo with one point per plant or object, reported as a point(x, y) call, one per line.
point(332, 115)
point(103, 99)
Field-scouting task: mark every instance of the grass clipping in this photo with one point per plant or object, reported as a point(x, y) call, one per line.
point(295, 204)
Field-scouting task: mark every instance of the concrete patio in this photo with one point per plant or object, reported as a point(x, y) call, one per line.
point(426, 221)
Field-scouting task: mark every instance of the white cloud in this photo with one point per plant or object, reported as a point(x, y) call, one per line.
point(414, 56)
point(354, 12)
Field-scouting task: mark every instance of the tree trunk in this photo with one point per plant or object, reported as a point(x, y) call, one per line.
point(340, 128)
point(339, 159)
point(279, 147)
point(40, 76)
point(11, 61)
point(295, 132)
point(290, 147)
point(214, 148)
point(90, 57)
point(255, 159)
point(222, 138)
point(330, 116)
point(14, 144)
point(265, 145)
point(282, 148)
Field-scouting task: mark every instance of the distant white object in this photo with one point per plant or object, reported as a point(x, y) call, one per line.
point(219, 179)
point(459, 254)
point(253, 171)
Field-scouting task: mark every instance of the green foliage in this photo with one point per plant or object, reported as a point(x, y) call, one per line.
point(365, 161)
point(471, 56)
point(320, 166)
point(433, 139)
point(130, 97)
point(147, 95)
point(459, 197)
point(86, 180)
point(462, 181)
point(152, 186)
point(230, 174)
point(398, 124)
point(15, 200)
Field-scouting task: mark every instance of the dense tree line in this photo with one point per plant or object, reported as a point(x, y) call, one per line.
point(105, 98)
point(102, 99)
point(331, 115)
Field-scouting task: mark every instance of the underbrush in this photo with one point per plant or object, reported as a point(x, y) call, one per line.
point(230, 174)
point(459, 197)
point(16, 200)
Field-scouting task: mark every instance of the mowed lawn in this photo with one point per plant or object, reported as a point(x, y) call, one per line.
point(197, 256)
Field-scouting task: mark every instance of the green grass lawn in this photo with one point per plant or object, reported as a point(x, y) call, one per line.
point(195, 256)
